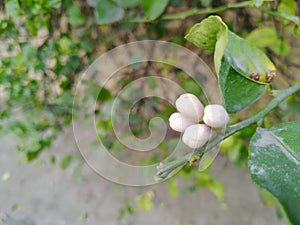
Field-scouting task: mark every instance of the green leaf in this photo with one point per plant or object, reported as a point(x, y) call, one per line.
point(281, 47)
point(262, 37)
point(233, 147)
point(65, 45)
point(217, 189)
point(247, 59)
point(211, 35)
point(173, 188)
point(275, 165)
point(7, 29)
point(127, 3)
point(246, 69)
point(192, 87)
point(287, 7)
point(205, 180)
point(267, 37)
point(238, 92)
point(5, 176)
point(12, 8)
point(55, 3)
point(98, 92)
point(206, 3)
point(153, 8)
point(297, 31)
point(53, 159)
point(66, 162)
point(75, 16)
point(33, 155)
point(104, 95)
point(107, 11)
point(145, 201)
point(126, 209)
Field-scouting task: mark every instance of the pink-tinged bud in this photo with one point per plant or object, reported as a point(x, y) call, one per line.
point(197, 135)
point(215, 116)
point(179, 123)
point(190, 106)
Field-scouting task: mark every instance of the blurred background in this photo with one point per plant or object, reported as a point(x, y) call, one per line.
point(45, 47)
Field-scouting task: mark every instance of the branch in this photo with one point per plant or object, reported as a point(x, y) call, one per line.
point(284, 16)
point(164, 171)
point(194, 12)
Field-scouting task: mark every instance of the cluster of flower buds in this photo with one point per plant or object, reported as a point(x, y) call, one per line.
point(188, 120)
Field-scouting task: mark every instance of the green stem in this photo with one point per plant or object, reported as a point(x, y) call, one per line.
point(280, 96)
point(196, 11)
point(289, 17)
point(193, 12)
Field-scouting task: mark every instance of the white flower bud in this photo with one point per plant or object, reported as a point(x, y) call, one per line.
point(215, 116)
point(197, 135)
point(179, 123)
point(190, 106)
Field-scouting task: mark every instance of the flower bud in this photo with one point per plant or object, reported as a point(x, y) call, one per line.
point(179, 123)
point(215, 116)
point(197, 135)
point(190, 106)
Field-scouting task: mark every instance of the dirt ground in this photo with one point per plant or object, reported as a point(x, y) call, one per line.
point(42, 194)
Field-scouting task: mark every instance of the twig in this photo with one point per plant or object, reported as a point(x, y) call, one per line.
point(165, 170)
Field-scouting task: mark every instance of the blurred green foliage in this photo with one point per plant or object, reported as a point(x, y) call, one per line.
point(46, 45)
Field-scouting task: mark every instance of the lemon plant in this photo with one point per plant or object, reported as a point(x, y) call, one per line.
point(46, 44)
point(274, 153)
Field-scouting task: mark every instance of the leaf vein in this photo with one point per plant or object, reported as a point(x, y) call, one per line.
point(288, 151)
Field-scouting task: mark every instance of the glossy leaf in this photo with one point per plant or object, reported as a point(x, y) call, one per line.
point(275, 165)
point(231, 83)
point(107, 11)
point(153, 8)
point(212, 34)
point(242, 65)
point(247, 59)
